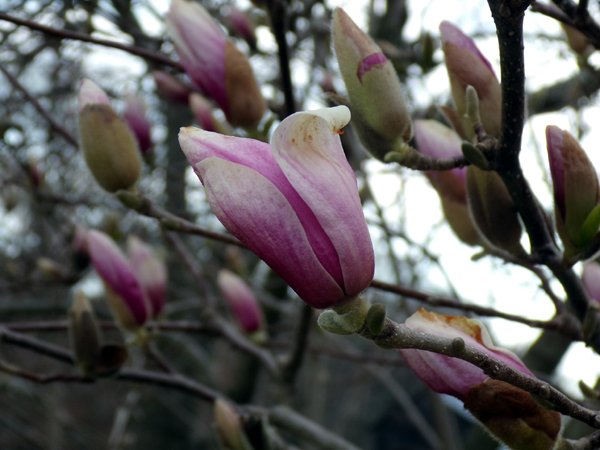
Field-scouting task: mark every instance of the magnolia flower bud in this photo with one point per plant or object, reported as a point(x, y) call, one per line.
point(513, 416)
point(214, 64)
point(438, 141)
point(467, 66)
point(170, 88)
point(135, 116)
point(108, 145)
point(150, 271)
point(376, 99)
point(84, 333)
point(576, 190)
point(241, 24)
point(203, 112)
point(510, 413)
point(230, 427)
point(493, 210)
point(241, 301)
point(124, 291)
point(304, 217)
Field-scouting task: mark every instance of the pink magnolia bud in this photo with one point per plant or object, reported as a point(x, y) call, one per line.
point(241, 301)
point(230, 427)
point(214, 64)
point(508, 412)
point(150, 271)
point(108, 145)
point(136, 118)
point(576, 190)
point(124, 291)
point(294, 202)
point(445, 374)
point(239, 22)
point(466, 66)
point(438, 141)
point(170, 88)
point(91, 94)
point(591, 280)
point(376, 97)
point(203, 111)
point(493, 210)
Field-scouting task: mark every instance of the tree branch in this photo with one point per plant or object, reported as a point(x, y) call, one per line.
point(65, 34)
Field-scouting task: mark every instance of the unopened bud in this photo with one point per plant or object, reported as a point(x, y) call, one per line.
point(513, 416)
point(108, 145)
point(378, 106)
point(229, 427)
point(493, 210)
point(467, 66)
point(84, 333)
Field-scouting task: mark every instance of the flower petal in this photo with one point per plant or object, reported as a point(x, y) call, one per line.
point(200, 43)
point(114, 269)
point(450, 375)
point(307, 147)
point(256, 212)
point(199, 144)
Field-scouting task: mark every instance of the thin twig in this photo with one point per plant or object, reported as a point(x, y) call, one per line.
point(565, 327)
point(65, 34)
point(292, 365)
point(400, 336)
point(39, 108)
point(278, 16)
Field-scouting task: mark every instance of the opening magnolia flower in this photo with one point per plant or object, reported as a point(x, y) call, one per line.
point(294, 202)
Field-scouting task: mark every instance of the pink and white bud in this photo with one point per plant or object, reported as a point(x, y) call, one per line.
point(376, 99)
point(448, 375)
point(467, 66)
point(203, 112)
point(576, 190)
point(240, 23)
point(91, 94)
point(214, 64)
point(241, 301)
point(136, 117)
point(150, 271)
point(170, 88)
point(438, 141)
point(124, 291)
point(294, 202)
point(109, 147)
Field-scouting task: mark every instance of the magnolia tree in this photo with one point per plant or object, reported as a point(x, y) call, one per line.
point(145, 307)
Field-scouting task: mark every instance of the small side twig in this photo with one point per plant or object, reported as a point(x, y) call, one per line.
point(294, 362)
point(39, 108)
point(66, 34)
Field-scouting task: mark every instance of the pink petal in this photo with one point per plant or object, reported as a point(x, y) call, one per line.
point(452, 34)
point(200, 43)
point(256, 155)
point(150, 271)
point(255, 211)
point(241, 301)
point(114, 269)
point(450, 375)
point(371, 61)
point(91, 94)
point(308, 149)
